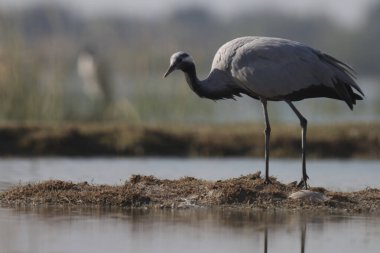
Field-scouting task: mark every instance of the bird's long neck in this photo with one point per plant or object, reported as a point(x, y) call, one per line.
point(215, 86)
point(192, 79)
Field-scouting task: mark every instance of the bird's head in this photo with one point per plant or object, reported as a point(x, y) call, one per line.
point(179, 60)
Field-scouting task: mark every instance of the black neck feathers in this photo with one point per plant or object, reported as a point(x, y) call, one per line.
point(215, 86)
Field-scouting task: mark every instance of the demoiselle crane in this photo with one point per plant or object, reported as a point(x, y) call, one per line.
point(272, 69)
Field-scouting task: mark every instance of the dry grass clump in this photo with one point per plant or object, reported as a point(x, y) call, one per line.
point(57, 192)
point(149, 192)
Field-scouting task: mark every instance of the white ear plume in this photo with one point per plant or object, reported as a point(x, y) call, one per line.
point(181, 54)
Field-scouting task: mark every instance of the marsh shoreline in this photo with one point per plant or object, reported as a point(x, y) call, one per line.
point(228, 140)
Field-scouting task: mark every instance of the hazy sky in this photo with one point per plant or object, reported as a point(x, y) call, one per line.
point(346, 11)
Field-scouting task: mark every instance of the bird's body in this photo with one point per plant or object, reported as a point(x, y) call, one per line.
point(94, 72)
point(271, 69)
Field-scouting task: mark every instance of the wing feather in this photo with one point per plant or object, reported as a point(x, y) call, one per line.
point(275, 68)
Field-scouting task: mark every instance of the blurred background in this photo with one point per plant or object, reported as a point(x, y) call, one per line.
point(102, 61)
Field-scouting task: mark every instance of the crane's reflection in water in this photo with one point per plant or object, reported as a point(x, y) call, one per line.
point(303, 238)
point(192, 230)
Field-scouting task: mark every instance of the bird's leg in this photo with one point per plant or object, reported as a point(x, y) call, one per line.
point(267, 137)
point(303, 122)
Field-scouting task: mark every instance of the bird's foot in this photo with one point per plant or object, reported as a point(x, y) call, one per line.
point(267, 181)
point(303, 183)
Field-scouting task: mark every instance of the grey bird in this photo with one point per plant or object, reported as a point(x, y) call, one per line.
point(272, 69)
point(95, 74)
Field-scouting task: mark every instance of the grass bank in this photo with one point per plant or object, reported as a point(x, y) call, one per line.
point(324, 141)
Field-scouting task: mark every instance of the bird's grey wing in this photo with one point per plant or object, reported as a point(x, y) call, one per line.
point(275, 68)
point(104, 79)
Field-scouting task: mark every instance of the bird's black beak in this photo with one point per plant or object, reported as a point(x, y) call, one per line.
point(170, 70)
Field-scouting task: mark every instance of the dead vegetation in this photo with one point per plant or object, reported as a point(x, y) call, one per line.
point(149, 192)
point(324, 141)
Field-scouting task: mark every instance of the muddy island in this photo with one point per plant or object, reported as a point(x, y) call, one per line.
point(149, 192)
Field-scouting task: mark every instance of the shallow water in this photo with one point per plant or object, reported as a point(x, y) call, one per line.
point(66, 230)
point(81, 230)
